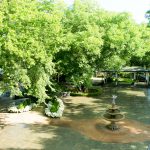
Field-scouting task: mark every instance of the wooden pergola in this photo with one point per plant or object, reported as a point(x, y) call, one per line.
point(134, 69)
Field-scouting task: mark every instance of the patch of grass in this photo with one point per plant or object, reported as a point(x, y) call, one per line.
point(126, 80)
point(90, 92)
point(78, 94)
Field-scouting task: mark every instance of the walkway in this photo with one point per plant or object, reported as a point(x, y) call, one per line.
point(74, 131)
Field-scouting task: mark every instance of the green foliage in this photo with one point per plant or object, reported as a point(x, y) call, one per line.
point(21, 106)
point(29, 38)
point(28, 102)
point(25, 103)
point(55, 106)
point(125, 80)
point(82, 43)
point(40, 40)
point(123, 39)
point(141, 57)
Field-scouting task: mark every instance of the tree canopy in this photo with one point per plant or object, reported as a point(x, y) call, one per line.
point(43, 39)
point(30, 35)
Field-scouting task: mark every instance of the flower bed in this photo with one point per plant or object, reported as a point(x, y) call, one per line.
point(55, 108)
point(24, 106)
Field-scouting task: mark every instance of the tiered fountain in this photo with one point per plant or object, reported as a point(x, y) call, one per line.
point(113, 115)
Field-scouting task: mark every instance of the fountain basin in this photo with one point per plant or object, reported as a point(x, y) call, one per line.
point(114, 117)
point(112, 112)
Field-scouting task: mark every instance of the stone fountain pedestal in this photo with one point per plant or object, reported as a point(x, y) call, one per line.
point(113, 115)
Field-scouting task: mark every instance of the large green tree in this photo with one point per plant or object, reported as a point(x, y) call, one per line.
point(123, 38)
point(42, 38)
point(142, 57)
point(82, 43)
point(98, 39)
point(30, 35)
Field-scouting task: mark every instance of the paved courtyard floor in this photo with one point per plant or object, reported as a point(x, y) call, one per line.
point(82, 126)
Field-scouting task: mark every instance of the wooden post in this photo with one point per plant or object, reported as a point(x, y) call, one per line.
point(106, 77)
point(134, 78)
point(116, 78)
point(147, 78)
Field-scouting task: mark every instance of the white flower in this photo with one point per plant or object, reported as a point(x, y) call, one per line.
point(59, 111)
point(14, 108)
point(27, 108)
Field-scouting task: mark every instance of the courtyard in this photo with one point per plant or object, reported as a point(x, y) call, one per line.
point(82, 125)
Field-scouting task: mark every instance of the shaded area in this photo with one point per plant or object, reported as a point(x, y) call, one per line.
point(81, 126)
point(25, 136)
point(130, 131)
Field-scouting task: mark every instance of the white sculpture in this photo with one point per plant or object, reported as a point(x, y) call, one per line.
point(113, 99)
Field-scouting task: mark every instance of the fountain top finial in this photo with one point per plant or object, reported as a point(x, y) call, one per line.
point(113, 99)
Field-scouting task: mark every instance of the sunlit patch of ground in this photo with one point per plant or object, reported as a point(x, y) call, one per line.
point(26, 117)
point(133, 92)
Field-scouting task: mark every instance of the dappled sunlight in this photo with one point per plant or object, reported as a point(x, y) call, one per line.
point(83, 107)
point(25, 136)
point(82, 120)
point(26, 117)
point(133, 92)
point(82, 100)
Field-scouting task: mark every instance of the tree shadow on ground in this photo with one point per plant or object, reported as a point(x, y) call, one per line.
point(83, 111)
point(61, 138)
point(134, 102)
point(65, 138)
